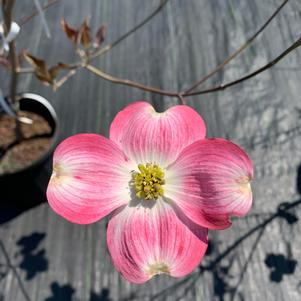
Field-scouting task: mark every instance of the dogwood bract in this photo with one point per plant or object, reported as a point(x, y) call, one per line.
point(164, 182)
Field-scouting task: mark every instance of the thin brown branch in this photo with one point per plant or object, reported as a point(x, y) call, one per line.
point(130, 32)
point(35, 13)
point(7, 8)
point(14, 75)
point(85, 62)
point(181, 95)
point(182, 101)
point(59, 83)
point(269, 65)
point(105, 49)
point(239, 50)
point(25, 70)
point(130, 83)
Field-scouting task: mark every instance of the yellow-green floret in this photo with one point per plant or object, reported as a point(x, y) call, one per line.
point(149, 181)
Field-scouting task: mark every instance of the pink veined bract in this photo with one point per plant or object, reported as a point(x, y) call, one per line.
point(162, 180)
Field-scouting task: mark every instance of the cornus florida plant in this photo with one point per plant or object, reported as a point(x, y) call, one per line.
point(164, 182)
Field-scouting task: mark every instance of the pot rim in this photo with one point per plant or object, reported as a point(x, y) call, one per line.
point(44, 102)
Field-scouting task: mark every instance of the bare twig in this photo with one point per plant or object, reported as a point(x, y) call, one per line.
point(7, 8)
point(256, 72)
point(59, 83)
point(182, 101)
point(130, 32)
point(127, 82)
point(85, 61)
point(25, 70)
point(239, 50)
point(14, 75)
point(181, 95)
point(35, 13)
point(42, 17)
point(105, 49)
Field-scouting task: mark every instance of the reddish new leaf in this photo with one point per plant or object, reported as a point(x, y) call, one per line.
point(100, 36)
point(84, 34)
point(71, 33)
point(42, 72)
point(40, 68)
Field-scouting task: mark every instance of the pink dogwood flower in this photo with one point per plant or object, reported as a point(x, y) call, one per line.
point(165, 184)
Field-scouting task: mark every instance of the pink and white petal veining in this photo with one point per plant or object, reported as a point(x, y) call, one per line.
point(144, 237)
point(90, 178)
point(147, 136)
point(210, 182)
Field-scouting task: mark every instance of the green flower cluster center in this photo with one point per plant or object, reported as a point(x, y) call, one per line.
point(149, 181)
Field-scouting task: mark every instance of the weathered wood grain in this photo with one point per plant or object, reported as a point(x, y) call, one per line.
point(259, 257)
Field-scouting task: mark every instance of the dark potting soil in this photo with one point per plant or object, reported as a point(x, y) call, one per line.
point(15, 156)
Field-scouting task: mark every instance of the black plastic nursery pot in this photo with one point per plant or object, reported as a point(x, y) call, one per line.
point(20, 187)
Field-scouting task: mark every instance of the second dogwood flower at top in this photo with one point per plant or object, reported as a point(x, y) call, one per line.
point(165, 183)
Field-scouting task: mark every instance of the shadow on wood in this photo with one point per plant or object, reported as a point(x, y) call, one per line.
point(19, 196)
point(61, 292)
point(33, 259)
